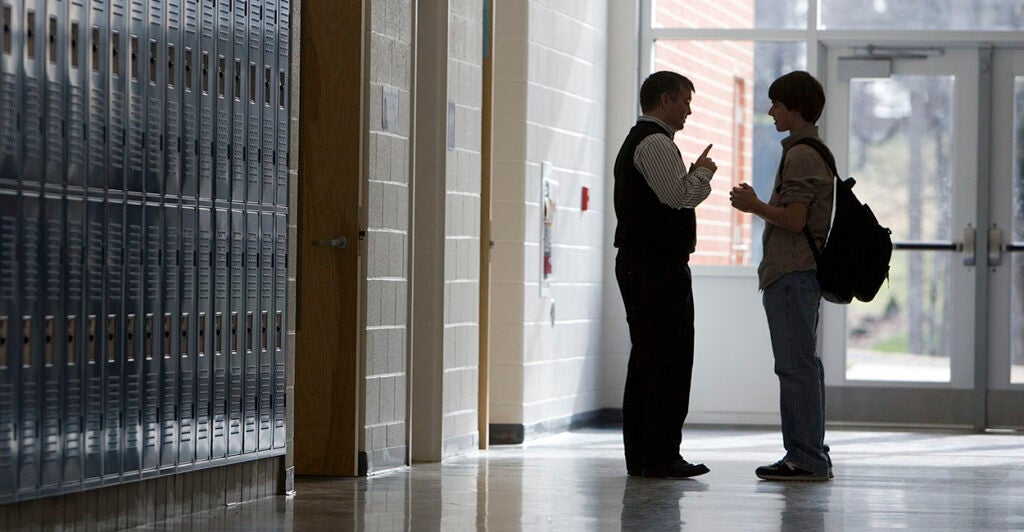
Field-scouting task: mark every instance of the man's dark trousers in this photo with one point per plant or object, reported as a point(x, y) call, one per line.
point(658, 295)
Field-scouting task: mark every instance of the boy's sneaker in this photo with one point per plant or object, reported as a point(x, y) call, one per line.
point(783, 470)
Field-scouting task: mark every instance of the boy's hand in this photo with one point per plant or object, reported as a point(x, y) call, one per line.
point(705, 162)
point(743, 198)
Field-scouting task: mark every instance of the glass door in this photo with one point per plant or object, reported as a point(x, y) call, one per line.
point(1005, 257)
point(904, 124)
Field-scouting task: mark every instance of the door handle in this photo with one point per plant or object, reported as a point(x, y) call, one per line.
point(970, 245)
point(339, 243)
point(995, 245)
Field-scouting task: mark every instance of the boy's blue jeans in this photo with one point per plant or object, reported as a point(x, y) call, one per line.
point(791, 304)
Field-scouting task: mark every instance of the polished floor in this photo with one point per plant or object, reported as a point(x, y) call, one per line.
point(576, 481)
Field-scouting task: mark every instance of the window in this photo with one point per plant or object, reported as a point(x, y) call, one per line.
point(734, 14)
point(730, 111)
point(946, 15)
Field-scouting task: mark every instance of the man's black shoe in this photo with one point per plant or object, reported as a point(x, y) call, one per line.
point(678, 469)
point(783, 470)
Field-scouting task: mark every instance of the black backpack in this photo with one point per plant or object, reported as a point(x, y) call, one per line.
point(855, 259)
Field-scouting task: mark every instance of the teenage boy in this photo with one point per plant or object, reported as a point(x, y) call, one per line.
point(802, 196)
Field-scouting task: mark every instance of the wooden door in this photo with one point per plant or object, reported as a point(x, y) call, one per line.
point(331, 146)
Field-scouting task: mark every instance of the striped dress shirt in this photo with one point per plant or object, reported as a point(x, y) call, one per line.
point(661, 164)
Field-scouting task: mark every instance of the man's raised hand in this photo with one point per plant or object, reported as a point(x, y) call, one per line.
point(706, 162)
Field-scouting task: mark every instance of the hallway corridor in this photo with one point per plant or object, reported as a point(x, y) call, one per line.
point(576, 481)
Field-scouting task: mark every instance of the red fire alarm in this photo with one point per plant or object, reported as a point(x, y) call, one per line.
point(586, 199)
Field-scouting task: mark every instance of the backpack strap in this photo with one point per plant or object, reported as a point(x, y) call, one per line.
point(830, 160)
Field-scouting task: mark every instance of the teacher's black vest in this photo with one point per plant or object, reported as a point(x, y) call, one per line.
point(646, 226)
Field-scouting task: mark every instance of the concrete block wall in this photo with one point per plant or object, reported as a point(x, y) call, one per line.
point(462, 230)
point(550, 101)
point(387, 201)
point(387, 263)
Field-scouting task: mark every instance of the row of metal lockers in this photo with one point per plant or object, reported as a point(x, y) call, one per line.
point(143, 238)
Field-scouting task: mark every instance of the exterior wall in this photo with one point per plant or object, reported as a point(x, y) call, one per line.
point(387, 219)
point(462, 230)
point(723, 74)
point(550, 68)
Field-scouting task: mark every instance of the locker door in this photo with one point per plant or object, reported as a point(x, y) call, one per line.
point(52, 292)
point(10, 354)
point(190, 90)
point(55, 61)
point(79, 100)
point(93, 67)
point(11, 16)
point(251, 331)
point(206, 89)
point(152, 355)
point(236, 334)
point(117, 58)
point(224, 68)
point(94, 321)
point(280, 326)
point(113, 343)
point(187, 338)
point(33, 96)
point(135, 345)
point(264, 333)
point(154, 49)
point(204, 332)
point(74, 348)
point(254, 100)
point(268, 103)
point(30, 356)
point(172, 95)
point(283, 84)
point(221, 330)
point(169, 325)
point(239, 97)
point(137, 58)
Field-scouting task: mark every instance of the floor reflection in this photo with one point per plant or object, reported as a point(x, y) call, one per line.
point(577, 481)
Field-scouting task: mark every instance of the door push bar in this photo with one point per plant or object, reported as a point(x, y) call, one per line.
point(967, 247)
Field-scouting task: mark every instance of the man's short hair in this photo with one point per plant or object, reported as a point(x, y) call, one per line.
point(662, 82)
point(799, 91)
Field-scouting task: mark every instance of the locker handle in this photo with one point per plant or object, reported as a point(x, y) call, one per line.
point(3, 341)
point(7, 29)
point(48, 351)
point(111, 337)
point(53, 40)
point(340, 243)
point(115, 45)
point(74, 45)
point(30, 34)
point(72, 332)
point(95, 49)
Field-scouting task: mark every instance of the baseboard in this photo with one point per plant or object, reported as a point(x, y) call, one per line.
point(516, 433)
point(382, 459)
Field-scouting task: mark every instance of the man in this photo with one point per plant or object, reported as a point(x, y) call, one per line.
point(654, 200)
point(802, 196)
